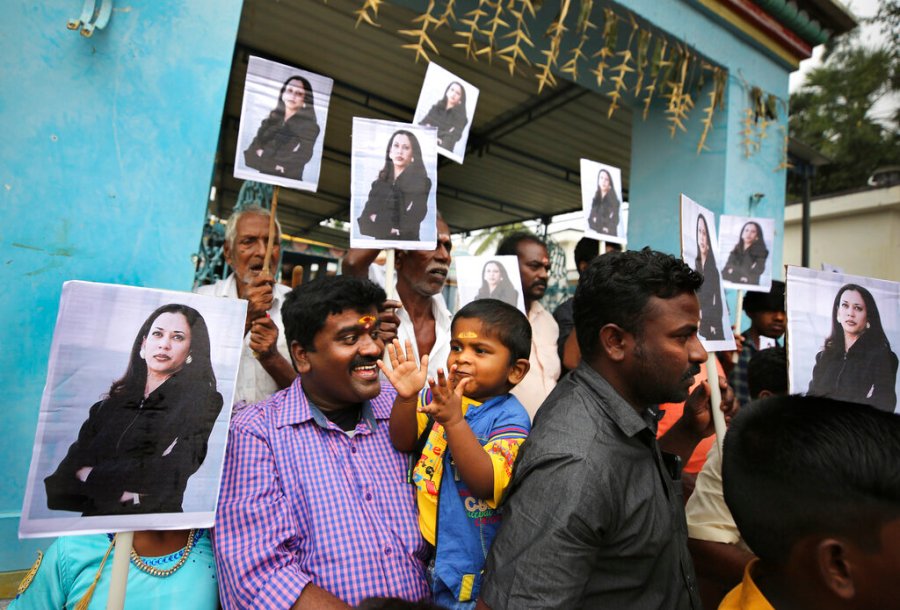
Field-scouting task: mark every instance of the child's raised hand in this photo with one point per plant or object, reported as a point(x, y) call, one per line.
point(446, 404)
point(406, 376)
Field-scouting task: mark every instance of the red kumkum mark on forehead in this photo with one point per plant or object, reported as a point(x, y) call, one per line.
point(366, 322)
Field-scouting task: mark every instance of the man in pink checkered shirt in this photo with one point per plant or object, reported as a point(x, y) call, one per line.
point(315, 510)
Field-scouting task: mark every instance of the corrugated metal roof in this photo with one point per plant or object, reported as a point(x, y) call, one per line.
point(524, 148)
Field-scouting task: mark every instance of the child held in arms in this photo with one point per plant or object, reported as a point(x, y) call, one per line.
point(464, 430)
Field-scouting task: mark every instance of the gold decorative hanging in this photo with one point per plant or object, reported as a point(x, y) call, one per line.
point(648, 65)
point(368, 12)
point(555, 33)
point(423, 40)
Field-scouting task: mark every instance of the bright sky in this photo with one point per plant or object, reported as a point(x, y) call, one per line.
point(883, 110)
point(860, 9)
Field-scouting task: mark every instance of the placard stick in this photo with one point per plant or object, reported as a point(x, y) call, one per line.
point(119, 576)
point(297, 276)
point(272, 236)
point(389, 286)
point(715, 397)
point(737, 321)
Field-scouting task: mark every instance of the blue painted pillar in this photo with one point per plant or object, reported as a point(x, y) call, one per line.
point(108, 148)
point(722, 178)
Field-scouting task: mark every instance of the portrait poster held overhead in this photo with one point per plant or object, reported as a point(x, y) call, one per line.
point(393, 185)
point(744, 246)
point(843, 335)
point(447, 103)
point(606, 215)
point(282, 126)
point(698, 251)
point(134, 416)
point(489, 277)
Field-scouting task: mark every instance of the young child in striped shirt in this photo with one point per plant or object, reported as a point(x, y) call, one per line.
point(464, 430)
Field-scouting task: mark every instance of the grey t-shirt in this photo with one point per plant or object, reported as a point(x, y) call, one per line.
point(593, 519)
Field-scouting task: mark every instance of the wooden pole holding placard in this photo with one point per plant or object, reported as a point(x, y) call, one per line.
point(737, 321)
point(271, 245)
point(715, 397)
point(389, 286)
point(119, 576)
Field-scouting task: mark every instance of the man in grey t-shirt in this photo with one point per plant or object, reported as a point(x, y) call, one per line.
point(595, 514)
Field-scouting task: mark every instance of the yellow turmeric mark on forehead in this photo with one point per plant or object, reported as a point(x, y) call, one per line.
point(468, 334)
point(366, 321)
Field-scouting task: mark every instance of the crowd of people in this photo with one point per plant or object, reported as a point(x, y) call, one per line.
point(387, 454)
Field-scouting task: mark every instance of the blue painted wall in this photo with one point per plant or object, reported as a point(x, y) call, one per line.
point(721, 178)
point(108, 147)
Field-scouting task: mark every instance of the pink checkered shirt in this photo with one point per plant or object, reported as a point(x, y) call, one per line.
point(302, 502)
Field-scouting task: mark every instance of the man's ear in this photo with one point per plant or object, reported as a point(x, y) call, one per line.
point(518, 371)
point(614, 342)
point(398, 258)
point(764, 394)
point(226, 252)
point(300, 356)
point(834, 563)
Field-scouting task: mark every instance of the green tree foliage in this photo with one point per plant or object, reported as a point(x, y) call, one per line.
point(832, 111)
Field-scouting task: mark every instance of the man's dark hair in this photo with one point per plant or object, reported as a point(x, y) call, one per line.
point(616, 287)
point(503, 322)
point(586, 250)
point(510, 243)
point(767, 370)
point(307, 306)
point(796, 466)
point(766, 301)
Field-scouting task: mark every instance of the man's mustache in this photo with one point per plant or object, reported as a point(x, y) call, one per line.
point(692, 372)
point(363, 361)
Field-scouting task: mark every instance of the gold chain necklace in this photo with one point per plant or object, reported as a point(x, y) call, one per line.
point(140, 565)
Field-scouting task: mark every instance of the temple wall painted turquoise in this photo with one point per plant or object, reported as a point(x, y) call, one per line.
point(104, 176)
point(722, 178)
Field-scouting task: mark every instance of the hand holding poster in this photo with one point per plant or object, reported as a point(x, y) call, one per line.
point(447, 103)
point(159, 368)
point(393, 186)
point(489, 277)
point(605, 215)
point(747, 264)
point(843, 334)
point(698, 248)
point(282, 125)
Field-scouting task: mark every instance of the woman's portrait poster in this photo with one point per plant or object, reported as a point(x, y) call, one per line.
point(605, 214)
point(393, 185)
point(134, 415)
point(489, 277)
point(744, 247)
point(447, 103)
point(843, 335)
point(698, 250)
point(282, 127)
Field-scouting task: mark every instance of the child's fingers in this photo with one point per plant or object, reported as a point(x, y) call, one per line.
point(460, 389)
point(392, 354)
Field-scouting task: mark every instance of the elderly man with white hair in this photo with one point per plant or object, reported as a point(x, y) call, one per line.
point(265, 360)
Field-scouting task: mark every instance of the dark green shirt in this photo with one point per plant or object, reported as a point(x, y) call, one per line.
point(593, 519)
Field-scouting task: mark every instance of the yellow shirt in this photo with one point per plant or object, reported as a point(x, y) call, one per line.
point(746, 596)
point(428, 471)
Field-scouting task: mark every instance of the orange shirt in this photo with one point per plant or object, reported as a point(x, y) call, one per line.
point(673, 411)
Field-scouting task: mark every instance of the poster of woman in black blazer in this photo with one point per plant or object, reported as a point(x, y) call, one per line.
point(132, 425)
point(604, 212)
point(698, 249)
point(282, 125)
point(392, 185)
point(447, 103)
